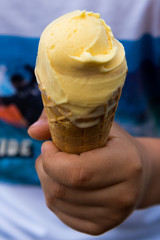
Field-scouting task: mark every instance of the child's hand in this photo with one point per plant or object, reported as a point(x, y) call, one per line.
point(96, 190)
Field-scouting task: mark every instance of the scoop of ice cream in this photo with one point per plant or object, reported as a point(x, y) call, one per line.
point(79, 63)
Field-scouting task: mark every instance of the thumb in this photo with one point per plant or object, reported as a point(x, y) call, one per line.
point(40, 129)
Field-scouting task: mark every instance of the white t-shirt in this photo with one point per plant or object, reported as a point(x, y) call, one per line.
point(23, 212)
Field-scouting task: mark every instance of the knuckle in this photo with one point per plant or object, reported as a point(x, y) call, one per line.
point(45, 158)
point(45, 165)
point(37, 164)
point(135, 165)
point(79, 177)
point(138, 167)
point(96, 229)
point(59, 191)
point(129, 200)
point(50, 201)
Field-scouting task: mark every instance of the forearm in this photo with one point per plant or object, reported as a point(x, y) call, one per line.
point(150, 153)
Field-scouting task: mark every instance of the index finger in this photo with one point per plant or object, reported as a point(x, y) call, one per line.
point(90, 170)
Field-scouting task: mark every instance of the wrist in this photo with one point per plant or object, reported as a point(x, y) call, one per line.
point(150, 157)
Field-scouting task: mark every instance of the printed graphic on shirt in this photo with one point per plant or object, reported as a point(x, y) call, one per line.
point(20, 106)
point(17, 155)
point(20, 101)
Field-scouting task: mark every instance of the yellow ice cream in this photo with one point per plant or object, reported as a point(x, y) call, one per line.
point(79, 63)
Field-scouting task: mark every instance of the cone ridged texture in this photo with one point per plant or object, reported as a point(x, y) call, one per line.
point(72, 139)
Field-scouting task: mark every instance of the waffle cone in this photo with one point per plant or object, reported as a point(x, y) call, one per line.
point(73, 139)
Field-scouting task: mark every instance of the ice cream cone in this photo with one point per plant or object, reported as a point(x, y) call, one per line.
point(80, 74)
point(72, 139)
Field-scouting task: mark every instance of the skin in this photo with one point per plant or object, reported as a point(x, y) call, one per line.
point(97, 190)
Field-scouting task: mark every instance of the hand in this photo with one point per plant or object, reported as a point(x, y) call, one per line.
point(97, 190)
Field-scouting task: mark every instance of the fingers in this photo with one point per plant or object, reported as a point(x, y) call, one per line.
point(92, 211)
point(47, 183)
point(90, 170)
point(79, 224)
point(55, 191)
point(89, 219)
point(71, 214)
point(97, 216)
point(60, 195)
point(40, 129)
point(78, 211)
